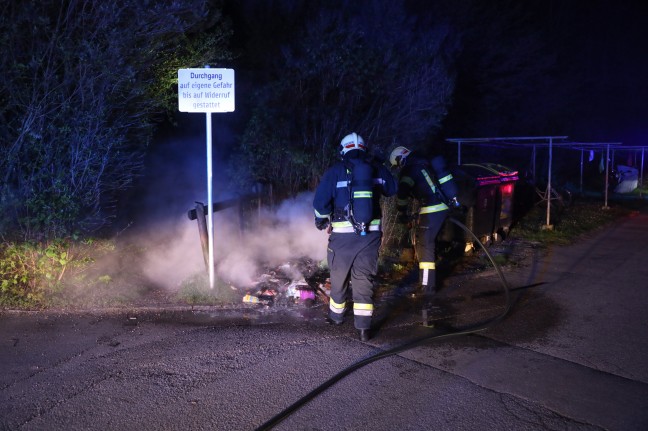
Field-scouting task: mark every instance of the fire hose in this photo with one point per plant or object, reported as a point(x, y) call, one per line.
point(403, 347)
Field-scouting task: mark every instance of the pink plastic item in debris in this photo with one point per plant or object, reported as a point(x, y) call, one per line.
point(306, 294)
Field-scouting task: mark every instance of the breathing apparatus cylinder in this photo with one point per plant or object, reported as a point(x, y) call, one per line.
point(361, 195)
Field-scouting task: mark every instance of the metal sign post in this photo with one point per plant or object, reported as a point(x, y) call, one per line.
point(207, 90)
point(210, 200)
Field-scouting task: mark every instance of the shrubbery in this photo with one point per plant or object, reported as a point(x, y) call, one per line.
point(32, 274)
point(83, 86)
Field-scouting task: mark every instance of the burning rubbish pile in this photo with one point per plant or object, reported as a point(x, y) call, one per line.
point(274, 261)
point(302, 282)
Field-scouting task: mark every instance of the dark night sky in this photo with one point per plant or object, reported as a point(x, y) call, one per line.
point(600, 64)
point(609, 48)
point(594, 86)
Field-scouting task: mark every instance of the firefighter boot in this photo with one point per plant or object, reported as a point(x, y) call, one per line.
point(334, 321)
point(431, 311)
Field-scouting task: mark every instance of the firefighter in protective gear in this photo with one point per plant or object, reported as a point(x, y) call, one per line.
point(352, 251)
point(432, 185)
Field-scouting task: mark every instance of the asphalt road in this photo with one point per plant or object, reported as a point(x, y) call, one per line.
point(571, 355)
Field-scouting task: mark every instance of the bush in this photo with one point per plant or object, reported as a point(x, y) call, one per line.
point(45, 274)
point(83, 86)
point(31, 272)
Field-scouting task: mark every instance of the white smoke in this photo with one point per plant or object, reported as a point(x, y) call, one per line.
point(282, 235)
point(173, 251)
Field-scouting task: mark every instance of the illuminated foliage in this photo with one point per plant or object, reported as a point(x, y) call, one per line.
point(83, 83)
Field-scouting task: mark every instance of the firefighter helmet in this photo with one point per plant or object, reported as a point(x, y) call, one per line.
point(398, 155)
point(352, 141)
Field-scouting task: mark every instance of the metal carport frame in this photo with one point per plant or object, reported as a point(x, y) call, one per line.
point(550, 142)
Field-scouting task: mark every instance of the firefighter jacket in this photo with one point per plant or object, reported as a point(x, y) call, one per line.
point(427, 181)
point(333, 193)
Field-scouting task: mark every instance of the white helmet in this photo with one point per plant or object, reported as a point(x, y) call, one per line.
point(398, 155)
point(352, 141)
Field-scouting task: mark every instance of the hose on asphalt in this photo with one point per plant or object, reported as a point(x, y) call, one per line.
point(402, 347)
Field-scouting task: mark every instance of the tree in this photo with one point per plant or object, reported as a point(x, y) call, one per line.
point(84, 83)
point(351, 66)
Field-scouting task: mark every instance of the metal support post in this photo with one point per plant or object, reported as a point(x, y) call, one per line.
point(548, 224)
point(607, 175)
point(210, 207)
point(581, 171)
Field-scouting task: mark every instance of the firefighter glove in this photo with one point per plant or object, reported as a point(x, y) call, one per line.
point(321, 223)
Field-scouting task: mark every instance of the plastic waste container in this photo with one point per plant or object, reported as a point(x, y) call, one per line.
point(487, 191)
point(504, 202)
point(479, 191)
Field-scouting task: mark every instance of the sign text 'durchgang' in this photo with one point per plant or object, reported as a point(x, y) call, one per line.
point(206, 90)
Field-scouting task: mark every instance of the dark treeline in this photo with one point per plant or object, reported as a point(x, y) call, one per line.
point(87, 83)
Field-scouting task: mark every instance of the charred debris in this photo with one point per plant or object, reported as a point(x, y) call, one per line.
point(298, 282)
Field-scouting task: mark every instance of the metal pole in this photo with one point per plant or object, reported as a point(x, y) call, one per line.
point(607, 171)
point(642, 164)
point(210, 207)
point(203, 232)
point(458, 153)
point(548, 225)
point(581, 172)
point(533, 164)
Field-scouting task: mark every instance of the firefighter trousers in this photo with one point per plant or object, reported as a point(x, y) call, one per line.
point(353, 260)
point(427, 229)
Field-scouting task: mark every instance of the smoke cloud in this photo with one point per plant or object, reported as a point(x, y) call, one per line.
point(280, 236)
point(176, 176)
